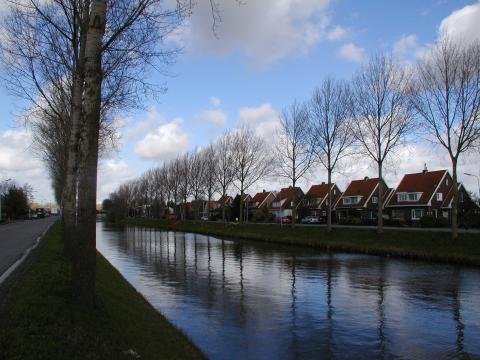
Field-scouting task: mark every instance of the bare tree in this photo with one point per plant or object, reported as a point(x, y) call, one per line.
point(330, 117)
point(447, 98)
point(225, 172)
point(211, 165)
point(197, 179)
point(184, 187)
point(382, 117)
point(252, 161)
point(293, 147)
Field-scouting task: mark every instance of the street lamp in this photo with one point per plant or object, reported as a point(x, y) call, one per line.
point(3, 181)
point(478, 183)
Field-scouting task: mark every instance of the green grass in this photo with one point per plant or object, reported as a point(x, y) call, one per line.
point(425, 245)
point(38, 321)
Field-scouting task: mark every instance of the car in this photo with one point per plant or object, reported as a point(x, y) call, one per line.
point(311, 220)
point(204, 218)
point(284, 220)
point(40, 212)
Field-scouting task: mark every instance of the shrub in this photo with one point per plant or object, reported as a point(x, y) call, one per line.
point(441, 222)
point(427, 221)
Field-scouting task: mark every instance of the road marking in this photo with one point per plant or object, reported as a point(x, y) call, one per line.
point(17, 263)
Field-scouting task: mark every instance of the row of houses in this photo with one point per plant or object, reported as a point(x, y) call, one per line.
point(419, 195)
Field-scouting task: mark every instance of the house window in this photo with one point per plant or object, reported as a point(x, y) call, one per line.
point(417, 214)
point(374, 200)
point(350, 200)
point(439, 196)
point(276, 204)
point(446, 182)
point(401, 197)
point(413, 196)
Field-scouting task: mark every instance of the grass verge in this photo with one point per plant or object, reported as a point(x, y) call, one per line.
point(423, 245)
point(38, 321)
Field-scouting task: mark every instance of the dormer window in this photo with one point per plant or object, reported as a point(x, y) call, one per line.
point(348, 200)
point(413, 196)
point(439, 196)
point(374, 200)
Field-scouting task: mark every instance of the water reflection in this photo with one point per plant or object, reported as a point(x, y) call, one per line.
point(240, 300)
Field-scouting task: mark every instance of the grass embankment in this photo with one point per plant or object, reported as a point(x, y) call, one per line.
point(424, 245)
point(38, 321)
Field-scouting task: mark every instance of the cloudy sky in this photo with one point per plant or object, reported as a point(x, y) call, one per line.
point(265, 55)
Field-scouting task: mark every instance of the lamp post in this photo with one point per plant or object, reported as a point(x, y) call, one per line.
point(478, 183)
point(3, 181)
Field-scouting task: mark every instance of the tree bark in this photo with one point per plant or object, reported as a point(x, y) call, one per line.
point(241, 206)
point(380, 199)
point(69, 201)
point(329, 199)
point(455, 200)
point(83, 270)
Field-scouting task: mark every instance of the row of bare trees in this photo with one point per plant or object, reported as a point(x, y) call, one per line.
point(384, 106)
point(239, 159)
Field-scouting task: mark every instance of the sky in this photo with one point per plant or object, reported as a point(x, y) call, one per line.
point(263, 56)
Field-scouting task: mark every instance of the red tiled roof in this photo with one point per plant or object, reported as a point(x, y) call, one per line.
point(287, 194)
point(225, 200)
point(423, 182)
point(260, 197)
point(318, 191)
point(449, 197)
point(363, 188)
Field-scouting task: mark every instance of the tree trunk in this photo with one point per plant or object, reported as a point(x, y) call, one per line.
point(455, 201)
point(294, 205)
point(69, 196)
point(241, 205)
point(329, 199)
point(83, 270)
point(380, 199)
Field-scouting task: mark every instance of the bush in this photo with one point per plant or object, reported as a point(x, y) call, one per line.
point(441, 222)
point(263, 215)
point(427, 221)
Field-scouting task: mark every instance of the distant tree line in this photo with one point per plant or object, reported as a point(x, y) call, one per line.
point(14, 200)
point(384, 106)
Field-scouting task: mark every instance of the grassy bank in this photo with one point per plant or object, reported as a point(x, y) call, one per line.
point(37, 320)
point(424, 245)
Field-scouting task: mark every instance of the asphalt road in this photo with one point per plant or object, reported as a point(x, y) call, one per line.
point(17, 237)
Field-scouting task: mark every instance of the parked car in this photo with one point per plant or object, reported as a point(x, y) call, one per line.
point(284, 220)
point(204, 218)
point(40, 212)
point(311, 220)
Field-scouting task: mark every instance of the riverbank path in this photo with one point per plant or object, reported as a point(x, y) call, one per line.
point(17, 237)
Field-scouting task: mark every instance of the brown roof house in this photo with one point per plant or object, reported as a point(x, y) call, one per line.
point(426, 194)
point(282, 204)
point(359, 203)
point(315, 202)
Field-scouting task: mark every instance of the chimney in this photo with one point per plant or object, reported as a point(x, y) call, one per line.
point(365, 178)
point(425, 170)
point(263, 190)
point(323, 182)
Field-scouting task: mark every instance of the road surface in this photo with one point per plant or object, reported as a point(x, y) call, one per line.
point(18, 237)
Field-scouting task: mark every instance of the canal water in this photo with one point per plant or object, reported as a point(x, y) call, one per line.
point(246, 300)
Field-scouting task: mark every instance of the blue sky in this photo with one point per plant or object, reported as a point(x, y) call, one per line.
point(267, 54)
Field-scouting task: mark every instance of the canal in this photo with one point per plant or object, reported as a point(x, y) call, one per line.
point(247, 300)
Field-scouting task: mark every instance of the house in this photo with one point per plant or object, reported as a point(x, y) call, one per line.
point(282, 204)
point(359, 203)
point(262, 200)
point(468, 211)
point(315, 202)
point(420, 194)
point(247, 200)
point(225, 200)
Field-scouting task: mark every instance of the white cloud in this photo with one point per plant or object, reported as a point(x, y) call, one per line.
point(406, 44)
point(215, 101)
point(217, 118)
point(140, 127)
point(163, 143)
point(462, 24)
point(265, 30)
point(19, 162)
point(337, 33)
point(263, 119)
point(351, 52)
point(111, 174)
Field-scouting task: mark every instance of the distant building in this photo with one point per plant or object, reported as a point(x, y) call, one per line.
point(315, 202)
point(282, 204)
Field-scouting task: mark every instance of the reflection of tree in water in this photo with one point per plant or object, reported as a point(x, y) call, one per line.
point(381, 307)
point(457, 316)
